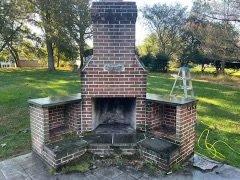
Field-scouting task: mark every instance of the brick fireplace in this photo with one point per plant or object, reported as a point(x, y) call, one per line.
point(114, 71)
point(113, 104)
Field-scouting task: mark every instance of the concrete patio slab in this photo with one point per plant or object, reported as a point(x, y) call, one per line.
point(110, 173)
point(29, 167)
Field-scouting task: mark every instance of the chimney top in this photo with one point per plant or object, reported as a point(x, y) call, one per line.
point(114, 12)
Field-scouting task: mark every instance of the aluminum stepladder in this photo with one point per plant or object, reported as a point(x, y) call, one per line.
point(183, 75)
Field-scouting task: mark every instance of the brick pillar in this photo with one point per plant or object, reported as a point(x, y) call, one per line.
point(185, 129)
point(39, 121)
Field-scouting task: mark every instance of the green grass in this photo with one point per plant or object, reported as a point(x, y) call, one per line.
point(218, 108)
point(16, 87)
point(80, 165)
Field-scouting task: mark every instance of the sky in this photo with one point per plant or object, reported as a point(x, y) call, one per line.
point(141, 29)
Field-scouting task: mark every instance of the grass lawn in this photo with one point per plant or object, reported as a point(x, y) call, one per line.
point(16, 87)
point(218, 110)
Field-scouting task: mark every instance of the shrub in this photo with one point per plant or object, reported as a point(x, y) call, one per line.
point(158, 63)
point(161, 63)
point(146, 60)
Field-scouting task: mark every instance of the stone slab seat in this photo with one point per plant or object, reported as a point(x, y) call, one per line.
point(167, 100)
point(159, 150)
point(55, 101)
point(64, 148)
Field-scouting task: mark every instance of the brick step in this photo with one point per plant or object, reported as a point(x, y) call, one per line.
point(114, 128)
point(158, 150)
point(64, 148)
point(114, 138)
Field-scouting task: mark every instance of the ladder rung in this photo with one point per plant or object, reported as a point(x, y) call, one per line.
point(188, 87)
point(180, 77)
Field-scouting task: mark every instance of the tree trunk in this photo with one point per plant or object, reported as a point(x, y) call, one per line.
point(222, 68)
point(14, 54)
point(49, 44)
point(203, 67)
point(81, 50)
point(58, 59)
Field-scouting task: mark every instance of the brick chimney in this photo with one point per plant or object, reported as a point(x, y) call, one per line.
point(114, 71)
point(114, 29)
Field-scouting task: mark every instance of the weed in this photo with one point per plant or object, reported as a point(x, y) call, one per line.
point(150, 167)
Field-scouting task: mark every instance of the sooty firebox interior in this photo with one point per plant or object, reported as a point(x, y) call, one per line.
point(114, 115)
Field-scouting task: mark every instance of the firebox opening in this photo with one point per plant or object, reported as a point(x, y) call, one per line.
point(114, 114)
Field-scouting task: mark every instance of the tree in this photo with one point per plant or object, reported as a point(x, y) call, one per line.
point(192, 51)
point(46, 10)
point(147, 60)
point(65, 50)
point(44, 17)
point(162, 62)
point(219, 38)
point(151, 57)
point(75, 18)
point(149, 46)
point(13, 17)
point(222, 10)
point(167, 22)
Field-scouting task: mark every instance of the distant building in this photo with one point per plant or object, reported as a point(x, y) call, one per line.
point(7, 64)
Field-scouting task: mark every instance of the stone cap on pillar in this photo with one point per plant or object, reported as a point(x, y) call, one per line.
point(114, 12)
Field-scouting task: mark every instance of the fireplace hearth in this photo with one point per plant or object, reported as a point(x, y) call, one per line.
point(114, 114)
point(113, 108)
point(115, 128)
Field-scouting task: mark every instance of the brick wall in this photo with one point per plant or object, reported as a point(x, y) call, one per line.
point(161, 115)
point(114, 45)
point(154, 114)
point(30, 64)
point(154, 157)
point(169, 117)
point(56, 117)
point(64, 119)
point(73, 113)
